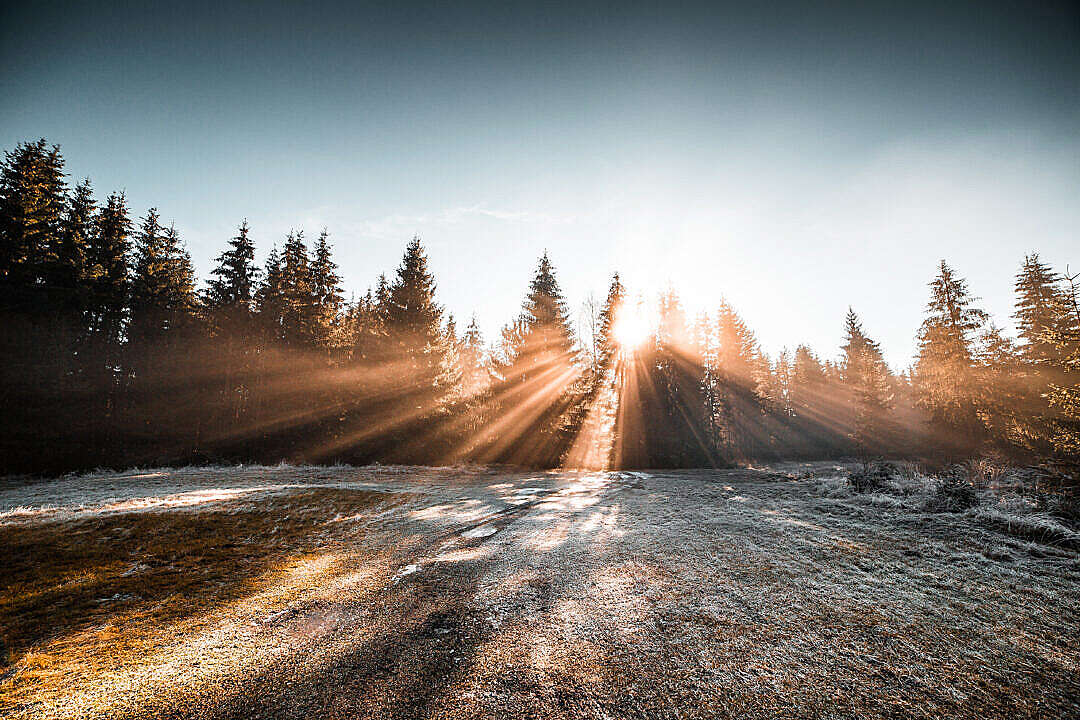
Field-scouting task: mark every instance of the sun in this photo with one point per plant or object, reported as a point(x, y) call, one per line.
point(631, 327)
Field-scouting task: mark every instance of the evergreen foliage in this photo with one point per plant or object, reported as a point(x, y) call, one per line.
point(943, 372)
point(868, 382)
point(109, 355)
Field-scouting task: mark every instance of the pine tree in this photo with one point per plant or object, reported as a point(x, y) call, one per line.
point(542, 336)
point(943, 370)
point(149, 278)
point(37, 333)
point(181, 279)
point(537, 371)
point(370, 344)
point(107, 278)
point(474, 372)
point(32, 195)
point(161, 333)
point(677, 429)
point(739, 370)
point(1064, 391)
point(68, 270)
point(868, 383)
point(781, 375)
point(613, 304)
point(704, 348)
point(545, 310)
point(163, 287)
point(229, 298)
point(1038, 298)
point(105, 286)
point(1003, 400)
point(807, 381)
point(737, 348)
point(326, 287)
point(451, 372)
point(229, 305)
point(297, 294)
point(270, 297)
point(413, 324)
point(66, 279)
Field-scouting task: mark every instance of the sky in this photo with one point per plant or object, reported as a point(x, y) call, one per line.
point(791, 158)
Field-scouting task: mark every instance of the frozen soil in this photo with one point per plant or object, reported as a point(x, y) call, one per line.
point(298, 592)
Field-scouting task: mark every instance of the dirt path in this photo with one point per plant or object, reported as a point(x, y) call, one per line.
point(402, 593)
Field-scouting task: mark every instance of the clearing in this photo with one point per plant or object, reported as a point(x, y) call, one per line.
point(393, 592)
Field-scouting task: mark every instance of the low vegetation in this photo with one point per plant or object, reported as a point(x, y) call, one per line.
point(1028, 503)
point(388, 592)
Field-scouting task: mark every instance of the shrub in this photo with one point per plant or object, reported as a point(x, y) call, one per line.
point(952, 495)
point(868, 478)
point(986, 471)
point(875, 476)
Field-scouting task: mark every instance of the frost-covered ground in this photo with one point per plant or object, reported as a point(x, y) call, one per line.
point(469, 592)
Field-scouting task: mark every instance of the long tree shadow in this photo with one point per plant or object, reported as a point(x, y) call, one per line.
point(412, 644)
point(157, 566)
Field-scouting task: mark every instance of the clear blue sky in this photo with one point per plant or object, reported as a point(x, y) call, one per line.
point(794, 158)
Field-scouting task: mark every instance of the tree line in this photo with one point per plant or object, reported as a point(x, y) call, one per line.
point(113, 354)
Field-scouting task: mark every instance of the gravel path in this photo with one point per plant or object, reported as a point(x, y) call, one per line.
point(476, 593)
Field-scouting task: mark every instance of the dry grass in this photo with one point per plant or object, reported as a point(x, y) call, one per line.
point(115, 578)
point(471, 593)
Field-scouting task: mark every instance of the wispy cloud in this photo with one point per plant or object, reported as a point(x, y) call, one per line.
point(397, 226)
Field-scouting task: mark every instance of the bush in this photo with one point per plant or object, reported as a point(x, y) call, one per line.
point(953, 495)
point(985, 471)
point(868, 478)
point(874, 476)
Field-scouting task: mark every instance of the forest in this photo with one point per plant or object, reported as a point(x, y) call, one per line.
point(114, 354)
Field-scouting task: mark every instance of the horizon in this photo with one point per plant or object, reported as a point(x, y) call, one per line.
point(836, 157)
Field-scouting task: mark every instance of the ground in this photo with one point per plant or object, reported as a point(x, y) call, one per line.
point(299, 592)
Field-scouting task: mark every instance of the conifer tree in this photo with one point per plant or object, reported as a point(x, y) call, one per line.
point(677, 430)
point(1038, 299)
point(542, 336)
point(1064, 390)
point(68, 270)
point(149, 282)
point(37, 335)
point(780, 376)
point(613, 304)
point(105, 288)
point(270, 297)
point(451, 371)
point(230, 295)
point(737, 348)
point(1007, 409)
point(161, 336)
point(474, 373)
point(868, 383)
point(943, 370)
point(370, 345)
point(738, 373)
point(413, 322)
point(32, 195)
point(229, 305)
point(326, 287)
point(297, 294)
point(537, 373)
point(807, 380)
point(703, 342)
point(107, 277)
